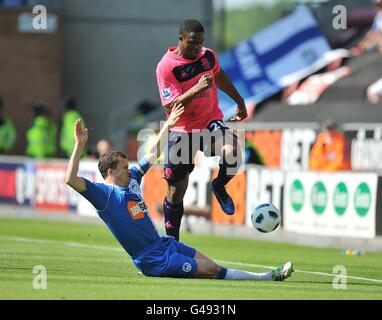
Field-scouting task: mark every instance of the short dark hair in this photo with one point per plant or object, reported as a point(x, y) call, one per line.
point(190, 25)
point(109, 161)
point(329, 124)
point(40, 108)
point(70, 103)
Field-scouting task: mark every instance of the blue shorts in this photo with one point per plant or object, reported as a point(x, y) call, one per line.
point(167, 258)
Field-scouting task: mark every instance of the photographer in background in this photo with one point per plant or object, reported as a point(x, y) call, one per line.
point(329, 150)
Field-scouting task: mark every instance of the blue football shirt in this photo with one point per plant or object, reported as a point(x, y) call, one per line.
point(124, 211)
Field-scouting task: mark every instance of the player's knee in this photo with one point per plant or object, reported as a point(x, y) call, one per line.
point(231, 156)
point(176, 191)
point(172, 195)
point(227, 150)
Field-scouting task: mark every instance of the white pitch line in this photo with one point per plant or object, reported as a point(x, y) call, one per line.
point(82, 245)
point(70, 244)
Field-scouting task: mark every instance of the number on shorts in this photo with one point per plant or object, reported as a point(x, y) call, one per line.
point(217, 125)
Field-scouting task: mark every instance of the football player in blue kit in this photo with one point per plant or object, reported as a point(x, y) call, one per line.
point(119, 203)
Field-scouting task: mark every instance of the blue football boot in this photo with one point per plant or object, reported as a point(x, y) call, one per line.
point(224, 199)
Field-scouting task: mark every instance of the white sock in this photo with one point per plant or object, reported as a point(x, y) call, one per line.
point(233, 274)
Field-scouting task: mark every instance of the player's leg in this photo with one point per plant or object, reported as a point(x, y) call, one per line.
point(173, 209)
point(184, 261)
point(179, 164)
point(228, 148)
point(207, 268)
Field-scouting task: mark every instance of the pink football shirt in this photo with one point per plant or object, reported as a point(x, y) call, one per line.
point(176, 75)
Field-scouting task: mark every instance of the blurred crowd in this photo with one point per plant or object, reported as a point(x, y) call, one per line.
point(372, 41)
point(44, 139)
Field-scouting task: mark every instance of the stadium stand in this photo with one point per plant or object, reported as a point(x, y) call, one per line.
point(344, 101)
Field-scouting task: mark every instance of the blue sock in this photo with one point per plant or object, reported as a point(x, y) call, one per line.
point(222, 273)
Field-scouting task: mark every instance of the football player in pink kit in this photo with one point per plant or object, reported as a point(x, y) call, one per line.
point(188, 74)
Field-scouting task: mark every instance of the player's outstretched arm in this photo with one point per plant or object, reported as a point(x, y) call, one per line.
point(72, 179)
point(224, 83)
point(156, 149)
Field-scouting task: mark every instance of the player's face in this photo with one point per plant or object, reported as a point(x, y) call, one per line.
point(191, 44)
point(122, 173)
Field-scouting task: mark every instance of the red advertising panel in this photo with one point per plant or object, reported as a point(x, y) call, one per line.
point(7, 183)
point(51, 191)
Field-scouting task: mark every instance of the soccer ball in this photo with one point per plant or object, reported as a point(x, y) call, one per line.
point(266, 217)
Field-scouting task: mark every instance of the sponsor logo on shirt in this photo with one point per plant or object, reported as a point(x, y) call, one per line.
point(202, 95)
point(166, 93)
point(137, 209)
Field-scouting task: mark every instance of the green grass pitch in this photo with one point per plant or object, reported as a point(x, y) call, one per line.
point(84, 261)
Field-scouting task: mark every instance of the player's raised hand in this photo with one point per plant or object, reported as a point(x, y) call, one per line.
point(175, 114)
point(80, 135)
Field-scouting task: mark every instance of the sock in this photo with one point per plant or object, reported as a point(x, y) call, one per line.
point(173, 214)
point(222, 273)
point(233, 274)
point(222, 179)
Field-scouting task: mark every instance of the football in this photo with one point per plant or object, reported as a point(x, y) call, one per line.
point(266, 218)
